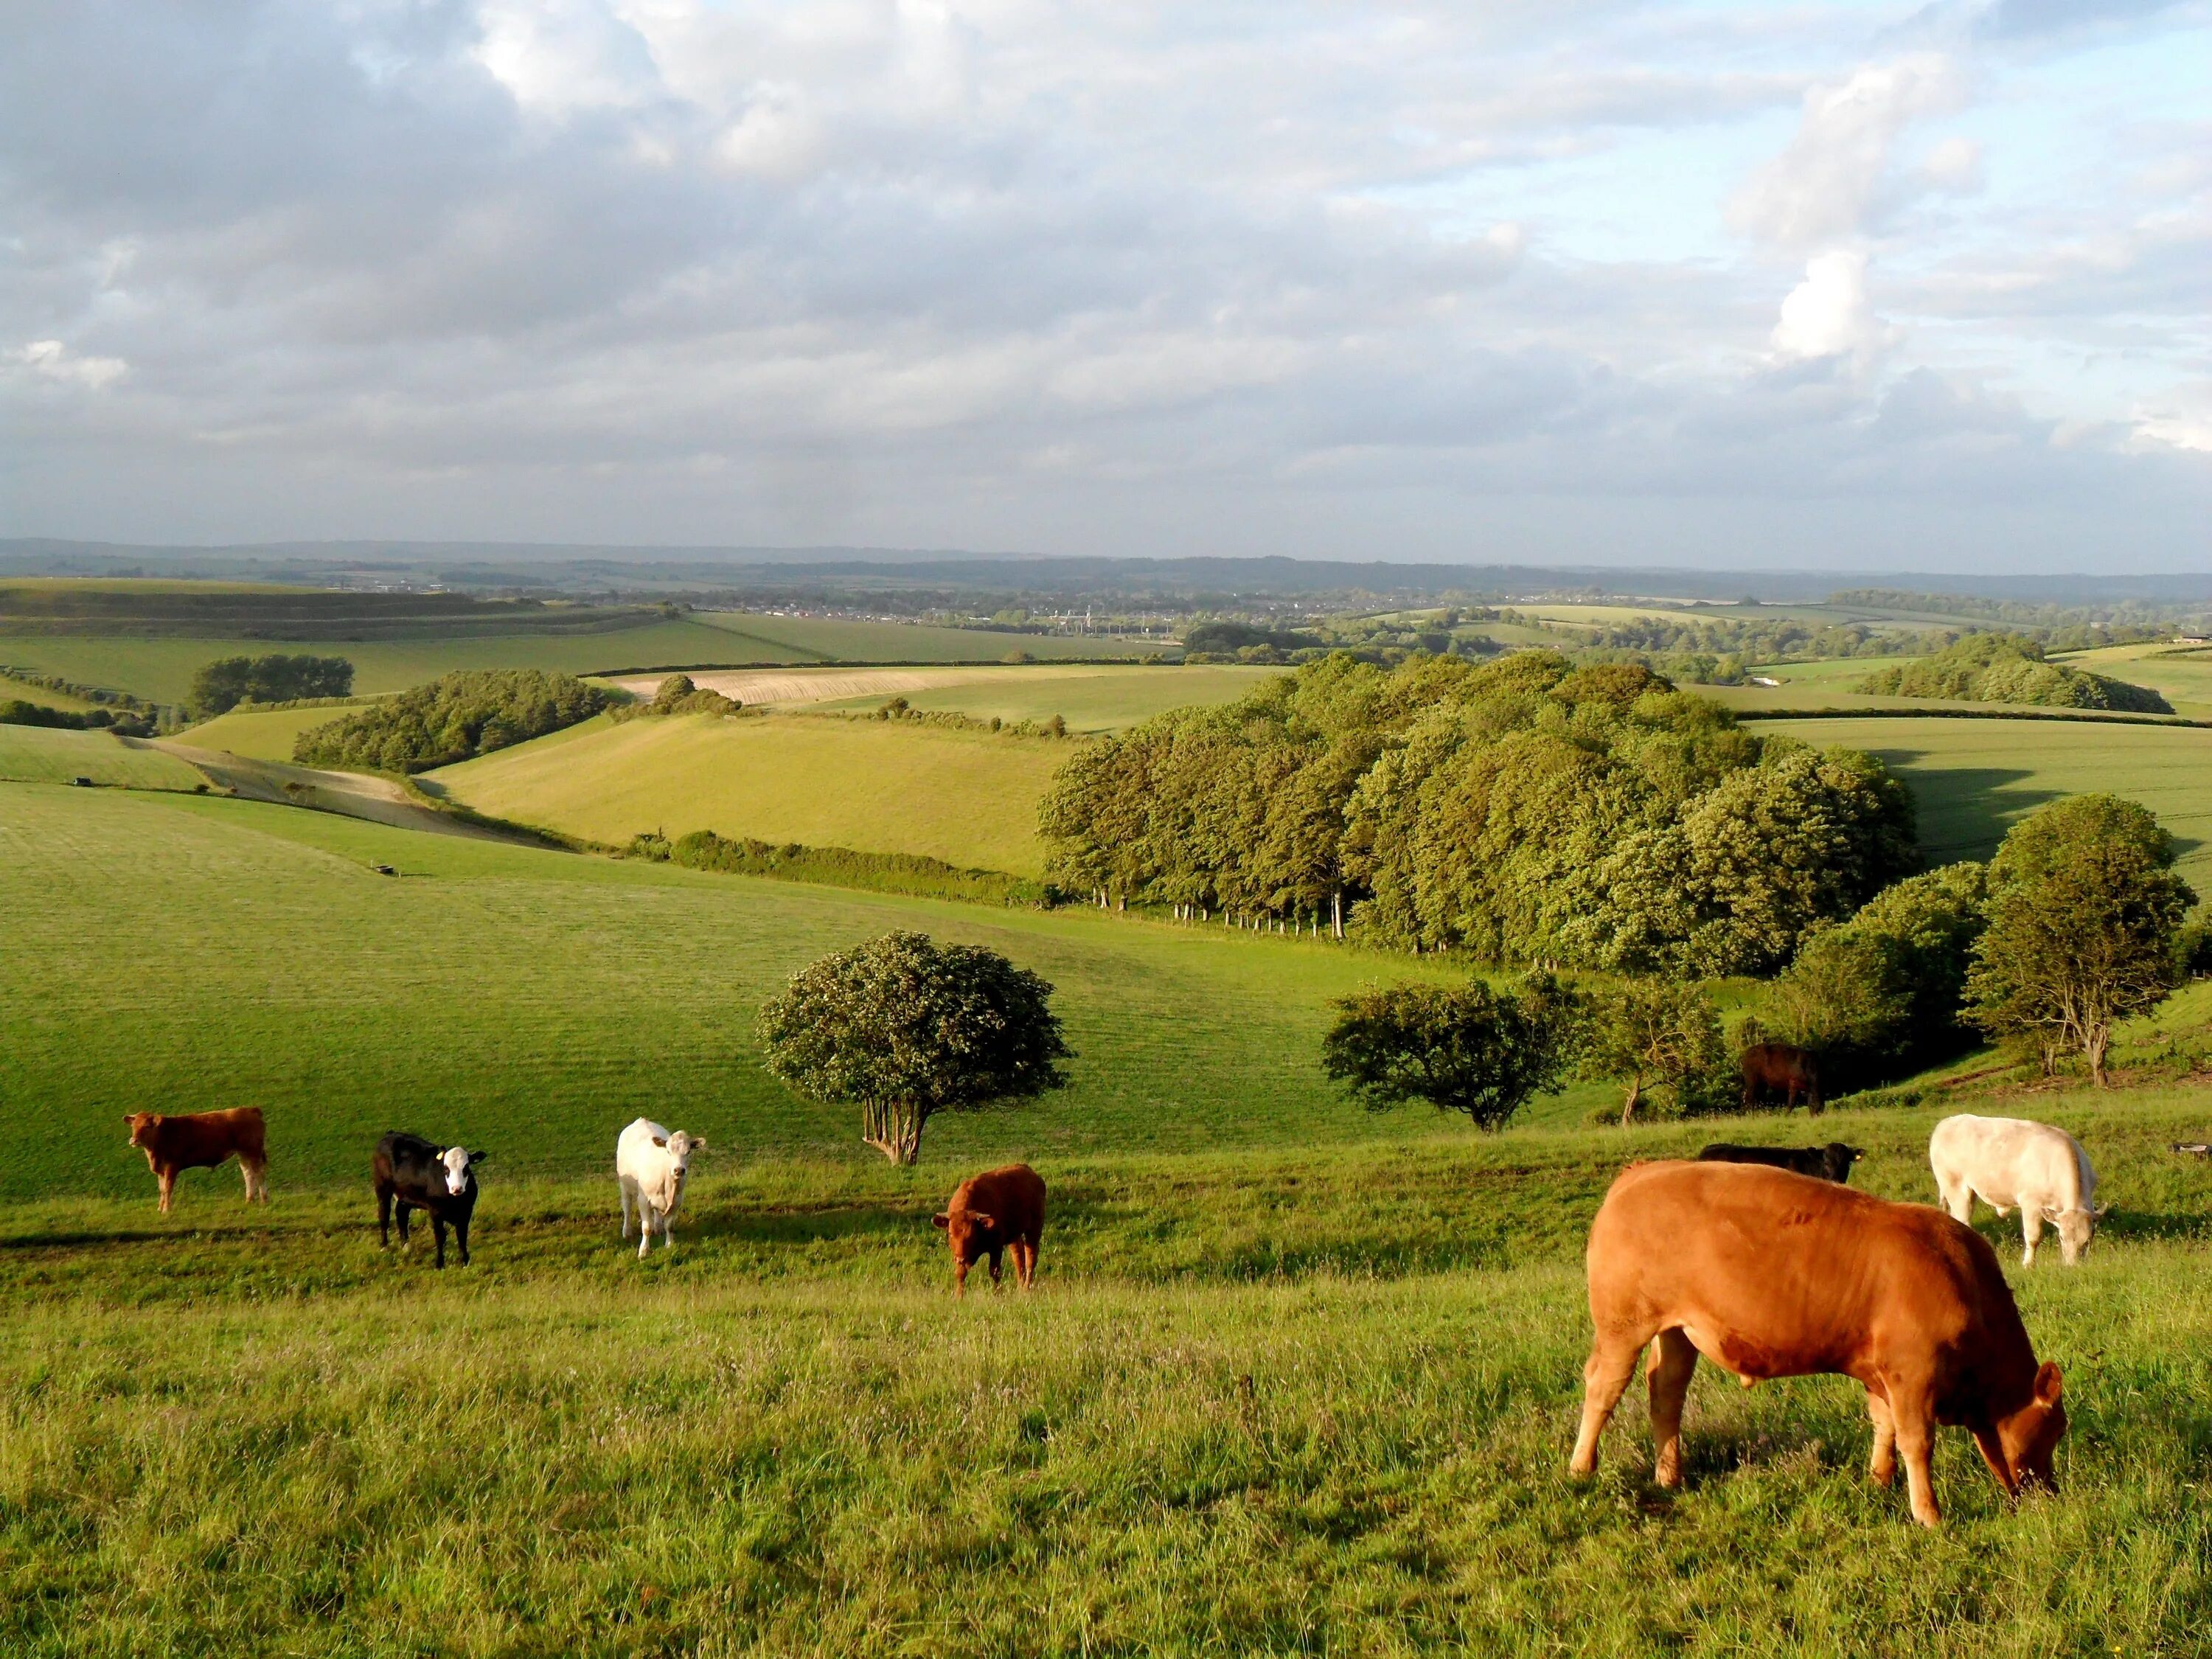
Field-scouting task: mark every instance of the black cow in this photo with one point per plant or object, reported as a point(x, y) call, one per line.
point(1829, 1163)
point(418, 1175)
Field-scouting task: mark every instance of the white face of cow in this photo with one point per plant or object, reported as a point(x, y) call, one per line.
point(679, 1147)
point(2075, 1227)
point(455, 1160)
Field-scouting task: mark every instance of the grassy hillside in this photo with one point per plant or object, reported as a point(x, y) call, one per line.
point(831, 639)
point(258, 734)
point(1089, 699)
point(537, 1000)
point(1973, 778)
point(969, 797)
point(1281, 1402)
point(11, 687)
point(2185, 679)
point(37, 754)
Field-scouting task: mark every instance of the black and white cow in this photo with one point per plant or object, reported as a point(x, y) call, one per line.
point(416, 1174)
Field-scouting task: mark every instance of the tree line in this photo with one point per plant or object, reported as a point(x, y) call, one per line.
point(224, 684)
point(1522, 811)
point(2011, 668)
point(452, 719)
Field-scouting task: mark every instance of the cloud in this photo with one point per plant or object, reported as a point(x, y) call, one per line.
point(1826, 185)
point(50, 359)
point(1829, 314)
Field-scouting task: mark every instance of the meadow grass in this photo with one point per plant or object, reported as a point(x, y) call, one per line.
point(259, 733)
point(2185, 680)
point(1293, 1402)
point(38, 754)
point(1972, 778)
point(29, 691)
point(970, 798)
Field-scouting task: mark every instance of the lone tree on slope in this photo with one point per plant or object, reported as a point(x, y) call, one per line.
point(1461, 1047)
point(907, 1028)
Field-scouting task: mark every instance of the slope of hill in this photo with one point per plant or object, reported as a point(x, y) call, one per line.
point(38, 754)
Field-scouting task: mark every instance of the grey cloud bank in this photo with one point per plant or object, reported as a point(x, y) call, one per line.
point(1327, 280)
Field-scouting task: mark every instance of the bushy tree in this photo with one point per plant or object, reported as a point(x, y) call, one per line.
point(907, 1028)
point(452, 719)
point(1465, 1048)
point(1658, 1038)
point(2084, 912)
point(1882, 993)
point(226, 683)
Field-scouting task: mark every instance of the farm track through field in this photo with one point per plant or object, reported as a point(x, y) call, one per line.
point(352, 794)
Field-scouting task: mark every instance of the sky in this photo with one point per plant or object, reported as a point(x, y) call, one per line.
point(1842, 286)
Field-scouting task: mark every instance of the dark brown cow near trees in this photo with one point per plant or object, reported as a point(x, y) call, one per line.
point(1780, 1068)
point(999, 1209)
point(201, 1140)
point(1769, 1274)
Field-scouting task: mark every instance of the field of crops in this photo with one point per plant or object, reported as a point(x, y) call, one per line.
point(1973, 778)
point(38, 754)
point(969, 797)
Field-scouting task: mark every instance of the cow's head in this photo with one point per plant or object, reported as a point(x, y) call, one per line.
point(2029, 1437)
point(679, 1147)
point(458, 1160)
point(2074, 1228)
point(1838, 1158)
point(142, 1126)
point(970, 1233)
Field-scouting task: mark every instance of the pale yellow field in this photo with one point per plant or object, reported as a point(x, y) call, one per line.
point(878, 787)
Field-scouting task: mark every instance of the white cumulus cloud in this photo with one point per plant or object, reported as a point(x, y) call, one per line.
point(1829, 314)
point(1825, 185)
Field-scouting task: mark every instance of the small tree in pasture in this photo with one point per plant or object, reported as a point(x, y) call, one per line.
point(907, 1028)
point(1461, 1047)
point(2084, 911)
point(1659, 1038)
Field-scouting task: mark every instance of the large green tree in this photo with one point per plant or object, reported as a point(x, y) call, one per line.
point(1465, 1048)
point(2084, 910)
point(228, 681)
point(907, 1028)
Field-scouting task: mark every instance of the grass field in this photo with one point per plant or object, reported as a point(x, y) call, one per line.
point(969, 797)
point(259, 734)
point(2185, 680)
point(1973, 778)
point(38, 754)
point(830, 638)
point(12, 688)
point(1089, 699)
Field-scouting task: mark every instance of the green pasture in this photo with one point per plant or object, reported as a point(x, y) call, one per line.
point(835, 639)
point(11, 687)
point(1287, 1399)
point(1973, 778)
point(969, 797)
point(225, 952)
point(38, 754)
point(1089, 699)
point(259, 733)
point(2183, 677)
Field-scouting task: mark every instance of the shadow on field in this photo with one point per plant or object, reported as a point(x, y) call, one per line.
point(1973, 814)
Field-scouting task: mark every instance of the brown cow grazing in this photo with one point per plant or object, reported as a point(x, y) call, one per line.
point(1782, 1069)
point(200, 1140)
point(1769, 1274)
point(998, 1210)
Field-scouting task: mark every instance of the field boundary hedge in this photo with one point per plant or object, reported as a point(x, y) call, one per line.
point(2080, 717)
point(911, 875)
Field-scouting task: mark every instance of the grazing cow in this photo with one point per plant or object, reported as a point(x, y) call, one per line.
point(1829, 1163)
point(416, 1174)
point(1768, 1273)
point(2008, 1161)
point(996, 1211)
point(1780, 1068)
point(651, 1165)
point(2201, 1149)
point(201, 1140)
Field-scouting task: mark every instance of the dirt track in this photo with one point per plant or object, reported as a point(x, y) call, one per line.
point(355, 795)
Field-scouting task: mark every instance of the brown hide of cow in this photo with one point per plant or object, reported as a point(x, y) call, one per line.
point(999, 1209)
point(1779, 1068)
point(1768, 1273)
point(200, 1140)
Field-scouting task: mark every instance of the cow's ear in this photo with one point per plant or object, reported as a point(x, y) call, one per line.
point(660, 1140)
point(698, 1146)
point(941, 1221)
point(479, 1157)
point(2049, 1383)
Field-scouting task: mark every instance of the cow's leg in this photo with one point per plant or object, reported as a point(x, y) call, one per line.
point(1915, 1426)
point(623, 1183)
point(438, 1232)
point(1881, 1466)
point(1959, 1199)
point(960, 1265)
point(404, 1211)
point(1605, 1378)
point(383, 1219)
point(1028, 1265)
point(2031, 1227)
point(461, 1238)
point(644, 1227)
point(1667, 1380)
point(995, 1269)
point(168, 1180)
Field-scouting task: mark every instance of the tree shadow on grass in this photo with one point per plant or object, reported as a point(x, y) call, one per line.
point(1974, 805)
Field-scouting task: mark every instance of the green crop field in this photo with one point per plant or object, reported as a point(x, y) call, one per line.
point(11, 687)
point(38, 754)
point(1089, 699)
point(1973, 778)
point(969, 797)
point(834, 639)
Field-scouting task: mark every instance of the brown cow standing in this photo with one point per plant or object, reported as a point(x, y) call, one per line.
point(1769, 1274)
point(200, 1140)
point(998, 1210)
point(1785, 1070)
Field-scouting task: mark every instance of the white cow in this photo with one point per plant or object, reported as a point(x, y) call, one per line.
point(2008, 1161)
point(651, 1165)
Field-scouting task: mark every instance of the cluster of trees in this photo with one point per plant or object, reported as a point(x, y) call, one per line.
point(453, 718)
point(1228, 638)
point(679, 694)
point(2076, 925)
point(2011, 668)
point(129, 723)
point(906, 1028)
point(1746, 639)
point(224, 684)
point(1521, 811)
